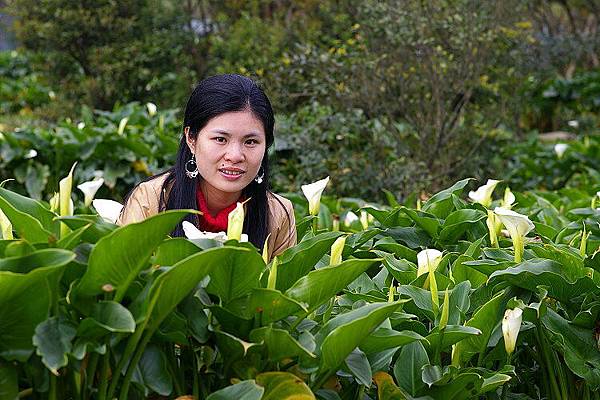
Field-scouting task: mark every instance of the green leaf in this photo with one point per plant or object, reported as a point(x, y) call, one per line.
point(267, 305)
point(37, 259)
point(174, 250)
point(52, 340)
point(245, 390)
point(452, 335)
point(485, 319)
point(320, 285)
point(297, 261)
point(463, 273)
point(234, 347)
point(236, 276)
point(32, 208)
point(385, 338)
point(535, 272)
point(440, 204)
point(344, 333)
point(487, 266)
point(458, 222)
point(358, 364)
point(387, 389)
point(26, 226)
point(578, 346)
point(25, 301)
point(462, 387)
point(388, 244)
point(280, 344)
point(9, 384)
point(409, 366)
point(428, 222)
point(283, 386)
point(154, 372)
point(118, 258)
point(107, 316)
point(170, 288)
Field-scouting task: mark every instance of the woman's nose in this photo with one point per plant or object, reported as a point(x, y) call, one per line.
point(234, 153)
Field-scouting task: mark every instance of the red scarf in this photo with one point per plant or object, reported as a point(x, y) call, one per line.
point(208, 223)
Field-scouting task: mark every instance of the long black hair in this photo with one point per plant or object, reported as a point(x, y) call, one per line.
point(212, 97)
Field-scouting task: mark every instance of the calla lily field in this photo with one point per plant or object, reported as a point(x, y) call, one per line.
point(433, 301)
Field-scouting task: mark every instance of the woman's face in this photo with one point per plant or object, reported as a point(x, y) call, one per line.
point(229, 151)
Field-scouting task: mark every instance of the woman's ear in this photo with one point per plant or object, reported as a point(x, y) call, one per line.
point(188, 139)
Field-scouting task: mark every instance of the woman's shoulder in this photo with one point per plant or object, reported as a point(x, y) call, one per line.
point(154, 184)
point(279, 204)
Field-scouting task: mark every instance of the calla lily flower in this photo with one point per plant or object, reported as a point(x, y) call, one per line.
point(55, 202)
point(350, 218)
point(191, 232)
point(573, 123)
point(122, 125)
point(508, 200)
point(89, 190)
point(364, 220)
point(265, 251)
point(511, 325)
point(272, 280)
point(483, 194)
point(560, 148)
point(5, 227)
point(313, 192)
point(336, 250)
point(494, 225)
point(235, 222)
point(109, 210)
point(518, 226)
point(445, 310)
point(65, 208)
point(151, 108)
point(428, 259)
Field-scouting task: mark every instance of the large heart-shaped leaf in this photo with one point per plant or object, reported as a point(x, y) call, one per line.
point(25, 301)
point(118, 258)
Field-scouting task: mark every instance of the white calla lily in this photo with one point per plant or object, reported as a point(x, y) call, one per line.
point(55, 202)
point(313, 192)
point(191, 232)
point(336, 250)
point(235, 222)
point(65, 208)
point(350, 218)
point(560, 149)
point(428, 259)
point(511, 325)
point(518, 226)
point(483, 194)
point(108, 209)
point(508, 200)
point(122, 125)
point(364, 220)
point(151, 108)
point(89, 189)
point(494, 225)
point(573, 123)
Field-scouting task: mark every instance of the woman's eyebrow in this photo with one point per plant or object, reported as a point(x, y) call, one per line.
point(224, 132)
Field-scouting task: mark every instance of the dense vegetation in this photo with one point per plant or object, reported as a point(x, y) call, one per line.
point(404, 284)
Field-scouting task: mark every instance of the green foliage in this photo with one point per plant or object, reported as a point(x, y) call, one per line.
point(151, 315)
point(122, 146)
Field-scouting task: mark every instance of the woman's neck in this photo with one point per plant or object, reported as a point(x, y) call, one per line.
point(216, 200)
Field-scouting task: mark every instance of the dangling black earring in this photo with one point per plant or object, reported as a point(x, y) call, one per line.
point(260, 176)
point(191, 168)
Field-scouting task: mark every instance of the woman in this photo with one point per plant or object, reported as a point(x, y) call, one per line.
point(222, 159)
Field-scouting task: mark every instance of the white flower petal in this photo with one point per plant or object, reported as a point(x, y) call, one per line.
point(191, 232)
point(108, 209)
point(350, 218)
point(151, 108)
point(428, 259)
point(313, 192)
point(511, 325)
point(516, 223)
point(483, 194)
point(560, 148)
point(89, 189)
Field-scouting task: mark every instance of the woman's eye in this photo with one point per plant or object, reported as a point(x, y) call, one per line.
point(220, 139)
point(252, 142)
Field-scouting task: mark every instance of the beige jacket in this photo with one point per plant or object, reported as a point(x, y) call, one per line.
point(144, 202)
